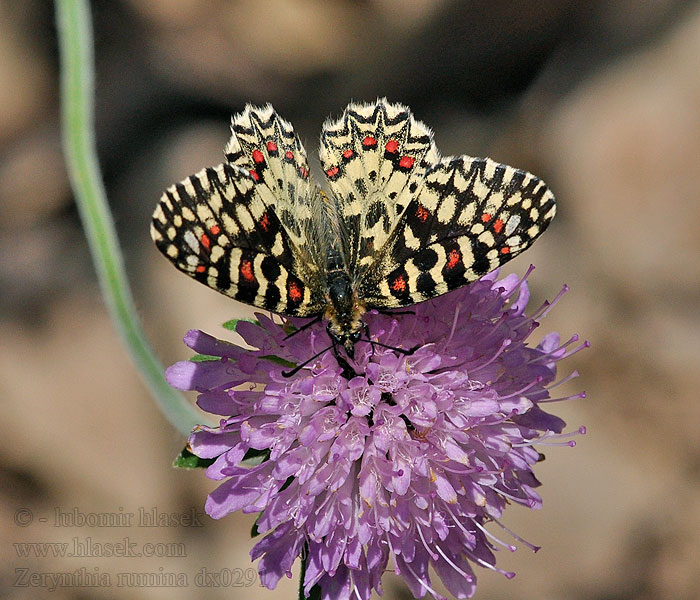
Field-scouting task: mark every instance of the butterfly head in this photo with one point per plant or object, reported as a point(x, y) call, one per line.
point(344, 338)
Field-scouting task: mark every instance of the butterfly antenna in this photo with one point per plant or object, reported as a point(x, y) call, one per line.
point(298, 368)
point(303, 327)
point(394, 348)
point(392, 313)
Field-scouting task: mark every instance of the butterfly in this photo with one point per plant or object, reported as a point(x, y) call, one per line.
point(397, 223)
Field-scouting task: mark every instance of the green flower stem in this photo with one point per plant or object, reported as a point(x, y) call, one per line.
point(77, 116)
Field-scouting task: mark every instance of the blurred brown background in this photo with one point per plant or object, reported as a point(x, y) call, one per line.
point(600, 99)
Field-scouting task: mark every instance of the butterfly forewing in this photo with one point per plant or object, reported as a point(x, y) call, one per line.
point(242, 228)
point(374, 158)
point(267, 146)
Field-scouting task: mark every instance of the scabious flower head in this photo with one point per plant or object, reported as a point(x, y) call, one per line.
point(407, 460)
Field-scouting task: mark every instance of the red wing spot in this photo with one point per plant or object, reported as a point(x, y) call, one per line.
point(422, 213)
point(304, 172)
point(369, 141)
point(258, 156)
point(486, 217)
point(391, 146)
point(497, 225)
point(453, 259)
point(406, 162)
point(348, 153)
point(271, 146)
point(246, 270)
point(215, 230)
point(399, 284)
point(206, 242)
point(332, 172)
point(289, 155)
point(201, 269)
point(294, 292)
point(265, 222)
point(254, 175)
point(505, 250)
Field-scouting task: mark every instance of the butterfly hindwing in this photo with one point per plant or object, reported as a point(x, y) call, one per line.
point(241, 227)
point(469, 216)
point(374, 158)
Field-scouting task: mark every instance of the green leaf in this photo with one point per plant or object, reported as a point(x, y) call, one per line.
point(287, 483)
point(231, 324)
point(255, 457)
point(278, 360)
point(254, 530)
point(187, 460)
point(203, 358)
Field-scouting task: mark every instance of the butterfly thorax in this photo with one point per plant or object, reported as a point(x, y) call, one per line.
point(344, 310)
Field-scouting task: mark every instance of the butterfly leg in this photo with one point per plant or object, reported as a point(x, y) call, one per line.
point(365, 328)
point(374, 344)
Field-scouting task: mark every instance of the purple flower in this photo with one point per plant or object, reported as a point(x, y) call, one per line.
point(408, 460)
